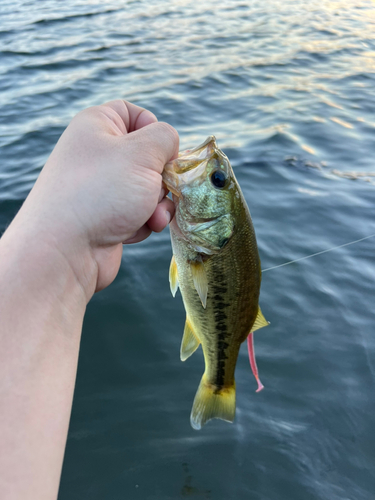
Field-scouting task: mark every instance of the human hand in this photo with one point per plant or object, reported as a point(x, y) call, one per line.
point(100, 188)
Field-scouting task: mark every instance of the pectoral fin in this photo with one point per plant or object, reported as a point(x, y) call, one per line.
point(189, 343)
point(198, 272)
point(173, 276)
point(260, 321)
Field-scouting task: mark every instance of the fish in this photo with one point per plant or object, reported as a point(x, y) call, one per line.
point(216, 265)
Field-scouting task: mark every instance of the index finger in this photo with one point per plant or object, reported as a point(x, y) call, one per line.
point(133, 116)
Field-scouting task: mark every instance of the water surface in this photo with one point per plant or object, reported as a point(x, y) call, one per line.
point(287, 87)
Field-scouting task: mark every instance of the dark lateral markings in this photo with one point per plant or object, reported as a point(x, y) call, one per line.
point(219, 304)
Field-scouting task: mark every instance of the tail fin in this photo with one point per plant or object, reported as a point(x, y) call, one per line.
point(212, 403)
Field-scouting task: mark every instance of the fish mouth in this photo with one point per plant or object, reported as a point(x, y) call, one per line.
point(189, 165)
point(170, 179)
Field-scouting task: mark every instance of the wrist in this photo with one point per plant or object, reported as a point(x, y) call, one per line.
point(42, 305)
point(34, 265)
point(49, 252)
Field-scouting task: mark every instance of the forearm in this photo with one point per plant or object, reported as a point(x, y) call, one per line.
point(100, 187)
point(41, 309)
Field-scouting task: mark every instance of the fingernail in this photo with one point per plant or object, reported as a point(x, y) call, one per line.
point(168, 217)
point(162, 194)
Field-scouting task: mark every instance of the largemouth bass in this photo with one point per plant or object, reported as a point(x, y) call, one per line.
point(216, 265)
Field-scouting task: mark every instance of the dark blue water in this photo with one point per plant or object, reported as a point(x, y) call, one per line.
point(288, 88)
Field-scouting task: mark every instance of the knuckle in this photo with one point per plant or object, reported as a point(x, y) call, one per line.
point(118, 104)
point(88, 112)
point(170, 131)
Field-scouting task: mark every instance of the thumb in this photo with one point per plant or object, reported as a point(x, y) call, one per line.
point(158, 141)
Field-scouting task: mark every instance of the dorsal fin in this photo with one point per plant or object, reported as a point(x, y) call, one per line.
point(173, 276)
point(260, 321)
point(189, 343)
point(198, 272)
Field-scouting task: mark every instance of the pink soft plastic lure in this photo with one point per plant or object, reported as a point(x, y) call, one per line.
point(253, 363)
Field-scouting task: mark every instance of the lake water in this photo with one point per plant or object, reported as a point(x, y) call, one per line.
point(288, 88)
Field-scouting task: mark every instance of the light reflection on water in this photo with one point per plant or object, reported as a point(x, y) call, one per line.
point(287, 89)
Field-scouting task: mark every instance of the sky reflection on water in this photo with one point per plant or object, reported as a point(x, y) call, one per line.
point(287, 87)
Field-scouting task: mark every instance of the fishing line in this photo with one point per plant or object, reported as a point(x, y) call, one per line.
point(318, 253)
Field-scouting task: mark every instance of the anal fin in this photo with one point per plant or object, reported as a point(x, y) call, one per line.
point(189, 343)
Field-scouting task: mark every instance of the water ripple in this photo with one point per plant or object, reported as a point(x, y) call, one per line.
point(287, 88)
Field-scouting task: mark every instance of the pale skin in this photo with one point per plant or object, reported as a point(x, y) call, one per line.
point(101, 187)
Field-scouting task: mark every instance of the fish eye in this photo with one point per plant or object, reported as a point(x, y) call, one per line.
point(218, 179)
